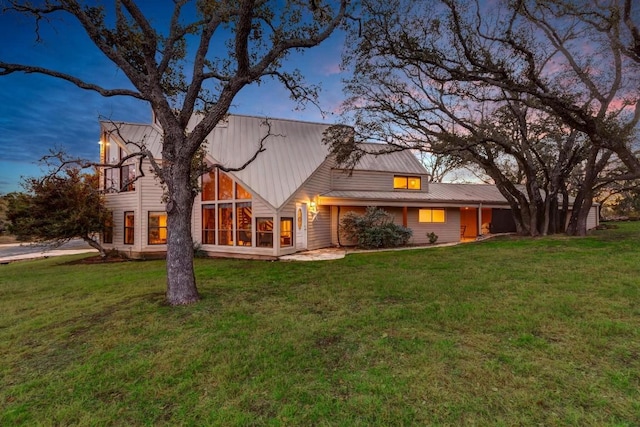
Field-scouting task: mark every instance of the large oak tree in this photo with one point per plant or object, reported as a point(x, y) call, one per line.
point(210, 50)
point(531, 91)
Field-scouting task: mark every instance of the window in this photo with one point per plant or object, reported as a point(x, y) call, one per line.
point(265, 232)
point(225, 187)
point(127, 177)
point(225, 224)
point(129, 228)
point(209, 186)
point(286, 232)
point(241, 193)
point(107, 231)
point(111, 180)
point(431, 215)
point(229, 223)
point(157, 228)
point(243, 223)
point(209, 224)
point(407, 182)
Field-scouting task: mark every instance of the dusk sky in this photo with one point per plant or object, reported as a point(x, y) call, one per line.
point(39, 112)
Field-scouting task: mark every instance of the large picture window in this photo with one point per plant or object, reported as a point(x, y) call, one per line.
point(286, 232)
point(403, 182)
point(157, 228)
point(209, 186)
point(129, 228)
point(243, 223)
point(209, 224)
point(431, 215)
point(265, 232)
point(225, 224)
point(229, 223)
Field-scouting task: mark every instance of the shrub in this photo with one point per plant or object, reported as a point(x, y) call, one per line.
point(375, 229)
point(433, 237)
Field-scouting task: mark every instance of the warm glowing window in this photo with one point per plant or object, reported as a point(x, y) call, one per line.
point(401, 182)
point(157, 228)
point(431, 215)
point(107, 231)
point(241, 193)
point(209, 186)
point(225, 224)
point(265, 232)
point(243, 223)
point(209, 224)
point(286, 232)
point(225, 187)
point(129, 228)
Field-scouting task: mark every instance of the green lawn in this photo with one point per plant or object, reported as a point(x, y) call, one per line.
point(504, 332)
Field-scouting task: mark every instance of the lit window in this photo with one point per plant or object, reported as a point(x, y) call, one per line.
point(225, 187)
point(225, 224)
point(209, 186)
point(157, 228)
point(129, 228)
point(431, 215)
point(401, 182)
point(209, 224)
point(241, 193)
point(243, 223)
point(286, 232)
point(265, 232)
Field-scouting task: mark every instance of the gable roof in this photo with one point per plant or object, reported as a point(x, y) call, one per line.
point(403, 161)
point(293, 151)
point(125, 133)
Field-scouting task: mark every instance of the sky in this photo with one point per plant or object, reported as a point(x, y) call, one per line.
point(38, 113)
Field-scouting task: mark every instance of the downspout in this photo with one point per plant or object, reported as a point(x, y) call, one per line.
point(480, 219)
point(338, 227)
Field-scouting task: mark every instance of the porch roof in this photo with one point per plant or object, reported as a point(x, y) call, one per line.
point(439, 193)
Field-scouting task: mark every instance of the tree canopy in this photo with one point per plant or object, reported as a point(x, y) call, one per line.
point(534, 93)
point(196, 64)
point(58, 208)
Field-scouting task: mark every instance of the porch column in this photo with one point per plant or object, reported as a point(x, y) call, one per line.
point(480, 219)
point(405, 220)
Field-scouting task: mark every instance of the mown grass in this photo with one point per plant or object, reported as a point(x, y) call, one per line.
point(504, 332)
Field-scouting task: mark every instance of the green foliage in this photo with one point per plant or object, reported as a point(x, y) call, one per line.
point(433, 237)
point(57, 207)
point(375, 229)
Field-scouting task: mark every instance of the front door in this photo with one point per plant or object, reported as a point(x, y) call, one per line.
point(301, 226)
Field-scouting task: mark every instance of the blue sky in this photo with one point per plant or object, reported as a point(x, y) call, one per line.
point(39, 112)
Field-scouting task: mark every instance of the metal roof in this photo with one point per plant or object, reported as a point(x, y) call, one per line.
point(293, 151)
point(438, 193)
point(126, 133)
point(398, 161)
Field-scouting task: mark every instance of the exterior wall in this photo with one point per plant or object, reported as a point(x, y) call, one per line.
point(368, 181)
point(447, 232)
point(318, 228)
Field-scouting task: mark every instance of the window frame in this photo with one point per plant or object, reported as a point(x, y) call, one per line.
point(127, 184)
point(407, 179)
point(159, 227)
point(430, 220)
point(107, 231)
point(261, 234)
point(129, 229)
point(209, 231)
point(290, 231)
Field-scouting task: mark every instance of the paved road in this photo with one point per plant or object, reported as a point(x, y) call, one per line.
point(17, 251)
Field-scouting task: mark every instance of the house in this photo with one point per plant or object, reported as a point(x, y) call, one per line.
point(290, 198)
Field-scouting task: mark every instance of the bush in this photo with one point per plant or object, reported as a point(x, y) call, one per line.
point(375, 229)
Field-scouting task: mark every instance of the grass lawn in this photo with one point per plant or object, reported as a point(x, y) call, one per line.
point(503, 332)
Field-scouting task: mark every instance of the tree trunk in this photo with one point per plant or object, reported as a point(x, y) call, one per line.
point(95, 245)
point(181, 282)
